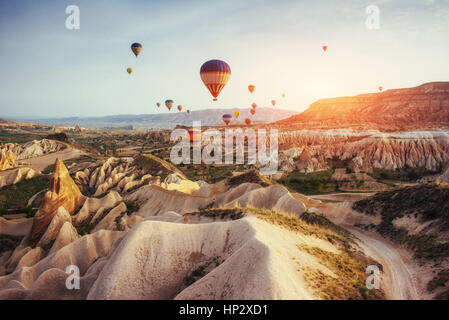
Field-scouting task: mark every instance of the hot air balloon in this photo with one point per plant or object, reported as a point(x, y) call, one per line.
point(188, 111)
point(169, 104)
point(283, 95)
point(227, 118)
point(324, 48)
point(195, 135)
point(215, 74)
point(236, 114)
point(136, 48)
point(251, 88)
point(273, 102)
point(253, 111)
point(381, 88)
point(129, 70)
point(254, 105)
point(158, 104)
point(248, 121)
point(179, 108)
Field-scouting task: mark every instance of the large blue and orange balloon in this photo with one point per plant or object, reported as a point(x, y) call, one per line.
point(215, 74)
point(136, 48)
point(227, 118)
point(169, 104)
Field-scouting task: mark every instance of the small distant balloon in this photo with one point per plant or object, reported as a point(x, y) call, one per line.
point(129, 70)
point(136, 48)
point(324, 48)
point(248, 121)
point(169, 104)
point(179, 108)
point(227, 118)
point(236, 114)
point(253, 111)
point(283, 95)
point(188, 111)
point(251, 88)
point(273, 102)
point(381, 88)
point(254, 105)
point(158, 104)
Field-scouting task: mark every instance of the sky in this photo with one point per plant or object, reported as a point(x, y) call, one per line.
point(47, 70)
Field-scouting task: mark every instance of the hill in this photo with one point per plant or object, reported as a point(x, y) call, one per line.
point(424, 106)
point(163, 120)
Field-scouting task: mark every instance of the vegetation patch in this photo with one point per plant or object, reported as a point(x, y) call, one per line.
point(16, 196)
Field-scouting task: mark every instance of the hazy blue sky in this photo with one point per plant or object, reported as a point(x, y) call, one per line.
point(49, 71)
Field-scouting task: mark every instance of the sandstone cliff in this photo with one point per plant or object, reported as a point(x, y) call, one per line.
point(425, 105)
point(7, 160)
point(63, 192)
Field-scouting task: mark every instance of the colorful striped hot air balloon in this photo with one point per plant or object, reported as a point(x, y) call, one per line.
point(195, 136)
point(169, 104)
point(179, 108)
point(248, 121)
point(136, 48)
point(215, 74)
point(227, 118)
point(254, 105)
point(129, 70)
point(253, 111)
point(236, 114)
point(251, 88)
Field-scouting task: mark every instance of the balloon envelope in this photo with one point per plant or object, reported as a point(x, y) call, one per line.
point(324, 48)
point(158, 104)
point(227, 118)
point(188, 111)
point(215, 74)
point(251, 88)
point(381, 88)
point(195, 135)
point(273, 102)
point(179, 108)
point(248, 121)
point(283, 95)
point(169, 104)
point(136, 48)
point(253, 111)
point(236, 114)
point(254, 105)
point(129, 70)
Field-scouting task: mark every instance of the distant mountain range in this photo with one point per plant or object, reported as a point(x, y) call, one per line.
point(164, 120)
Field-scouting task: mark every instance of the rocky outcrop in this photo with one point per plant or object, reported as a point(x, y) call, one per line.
point(418, 107)
point(7, 160)
point(14, 176)
point(63, 192)
point(32, 149)
point(308, 150)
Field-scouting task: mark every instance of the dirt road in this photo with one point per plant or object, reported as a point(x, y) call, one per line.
point(397, 281)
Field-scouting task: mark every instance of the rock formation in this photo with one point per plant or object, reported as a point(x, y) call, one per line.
point(7, 160)
point(63, 192)
point(418, 107)
point(14, 176)
point(35, 148)
point(307, 150)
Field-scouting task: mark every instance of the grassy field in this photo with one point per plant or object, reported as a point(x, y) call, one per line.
point(16, 196)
